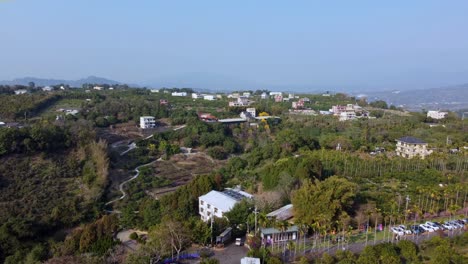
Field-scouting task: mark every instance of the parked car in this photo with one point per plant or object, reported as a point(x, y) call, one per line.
point(432, 225)
point(448, 226)
point(407, 231)
point(397, 230)
point(426, 228)
point(456, 224)
point(416, 229)
point(439, 225)
point(239, 242)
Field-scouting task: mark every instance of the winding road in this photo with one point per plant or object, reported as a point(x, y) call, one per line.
point(132, 146)
point(121, 186)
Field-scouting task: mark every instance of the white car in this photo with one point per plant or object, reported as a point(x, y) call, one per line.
point(432, 225)
point(426, 228)
point(239, 242)
point(397, 230)
point(456, 224)
point(448, 226)
point(407, 231)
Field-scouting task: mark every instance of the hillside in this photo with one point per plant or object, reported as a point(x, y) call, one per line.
point(450, 98)
point(72, 83)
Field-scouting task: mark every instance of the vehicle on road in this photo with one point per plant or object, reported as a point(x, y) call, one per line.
point(239, 242)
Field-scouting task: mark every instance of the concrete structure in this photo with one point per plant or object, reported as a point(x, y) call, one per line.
point(252, 111)
point(276, 93)
point(154, 90)
point(241, 101)
point(98, 88)
point(437, 114)
point(47, 89)
point(278, 98)
point(21, 91)
point(348, 115)
point(338, 109)
point(197, 96)
point(298, 105)
point(209, 97)
point(263, 96)
point(147, 122)
point(179, 94)
point(218, 203)
point(410, 147)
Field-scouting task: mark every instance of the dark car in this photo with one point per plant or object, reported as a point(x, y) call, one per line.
point(439, 225)
point(416, 229)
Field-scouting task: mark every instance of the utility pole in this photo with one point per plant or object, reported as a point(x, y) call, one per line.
point(406, 207)
point(211, 226)
point(255, 212)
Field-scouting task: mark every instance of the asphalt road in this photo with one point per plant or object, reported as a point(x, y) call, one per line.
point(231, 254)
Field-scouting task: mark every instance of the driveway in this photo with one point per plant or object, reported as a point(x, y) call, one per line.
point(231, 254)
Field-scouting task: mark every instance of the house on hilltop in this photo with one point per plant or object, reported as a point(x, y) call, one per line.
point(410, 147)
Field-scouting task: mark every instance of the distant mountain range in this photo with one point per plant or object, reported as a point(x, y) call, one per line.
point(447, 98)
point(72, 83)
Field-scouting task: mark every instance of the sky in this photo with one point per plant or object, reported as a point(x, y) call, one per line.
point(308, 44)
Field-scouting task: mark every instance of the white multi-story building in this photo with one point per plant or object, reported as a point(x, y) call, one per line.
point(209, 97)
point(436, 114)
point(276, 93)
point(410, 147)
point(252, 111)
point(197, 96)
point(263, 96)
point(241, 101)
point(349, 115)
point(218, 203)
point(147, 122)
point(179, 94)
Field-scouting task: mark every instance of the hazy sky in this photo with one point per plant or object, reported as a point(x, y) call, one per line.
point(382, 44)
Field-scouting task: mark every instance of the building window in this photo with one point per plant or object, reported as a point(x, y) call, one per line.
point(208, 206)
point(201, 202)
point(215, 210)
point(201, 210)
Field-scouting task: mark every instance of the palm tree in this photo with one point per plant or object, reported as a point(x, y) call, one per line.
point(283, 227)
point(368, 213)
point(376, 212)
point(303, 228)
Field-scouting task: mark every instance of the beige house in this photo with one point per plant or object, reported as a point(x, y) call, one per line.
point(410, 147)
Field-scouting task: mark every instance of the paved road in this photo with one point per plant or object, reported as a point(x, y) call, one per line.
point(231, 254)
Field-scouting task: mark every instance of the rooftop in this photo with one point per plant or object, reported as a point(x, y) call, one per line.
point(284, 213)
point(225, 200)
point(271, 230)
point(412, 140)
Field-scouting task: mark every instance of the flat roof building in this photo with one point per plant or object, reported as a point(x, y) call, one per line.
point(218, 203)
